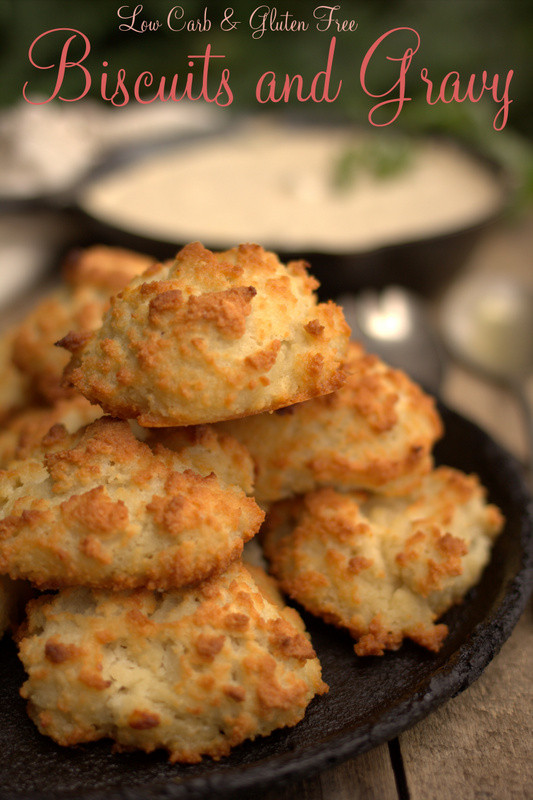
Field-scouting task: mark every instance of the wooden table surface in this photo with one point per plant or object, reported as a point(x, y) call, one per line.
point(477, 746)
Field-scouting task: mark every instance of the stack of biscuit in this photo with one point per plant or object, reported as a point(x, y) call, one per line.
point(362, 530)
point(201, 393)
point(158, 635)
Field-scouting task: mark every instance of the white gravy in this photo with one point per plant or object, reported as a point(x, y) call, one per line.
point(273, 185)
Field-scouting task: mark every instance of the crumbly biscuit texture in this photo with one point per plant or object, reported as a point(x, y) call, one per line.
point(92, 276)
point(194, 672)
point(384, 568)
point(376, 432)
point(23, 434)
point(203, 443)
point(106, 510)
point(269, 587)
point(211, 336)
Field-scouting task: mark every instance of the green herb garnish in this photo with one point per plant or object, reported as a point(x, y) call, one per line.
point(383, 157)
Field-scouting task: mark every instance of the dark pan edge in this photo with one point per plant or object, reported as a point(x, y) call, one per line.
point(465, 666)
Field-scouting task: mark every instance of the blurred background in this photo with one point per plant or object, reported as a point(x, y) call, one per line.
point(467, 37)
point(45, 150)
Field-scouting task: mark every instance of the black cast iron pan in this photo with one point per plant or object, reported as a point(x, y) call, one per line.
point(370, 699)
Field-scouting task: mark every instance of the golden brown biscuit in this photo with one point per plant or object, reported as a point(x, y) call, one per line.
point(195, 672)
point(22, 435)
point(384, 568)
point(107, 268)
point(92, 276)
point(376, 432)
point(108, 511)
point(211, 336)
point(203, 443)
point(269, 587)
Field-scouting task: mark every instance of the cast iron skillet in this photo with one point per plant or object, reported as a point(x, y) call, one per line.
point(370, 699)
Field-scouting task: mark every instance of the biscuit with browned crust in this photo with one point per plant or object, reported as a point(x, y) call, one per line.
point(22, 435)
point(376, 432)
point(384, 568)
point(202, 442)
point(107, 268)
point(108, 511)
point(194, 672)
point(211, 336)
point(269, 587)
point(91, 277)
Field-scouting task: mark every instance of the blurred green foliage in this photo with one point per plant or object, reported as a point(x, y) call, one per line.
point(382, 156)
point(464, 35)
point(455, 35)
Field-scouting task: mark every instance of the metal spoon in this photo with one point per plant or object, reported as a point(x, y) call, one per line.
point(487, 323)
point(395, 325)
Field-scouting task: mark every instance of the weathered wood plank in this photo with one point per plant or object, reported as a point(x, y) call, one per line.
point(367, 777)
point(479, 745)
point(491, 407)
